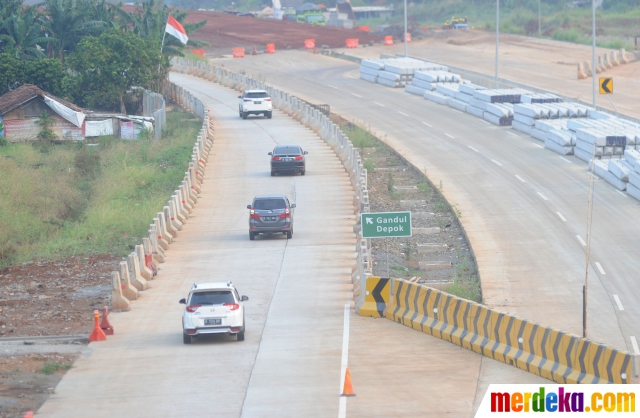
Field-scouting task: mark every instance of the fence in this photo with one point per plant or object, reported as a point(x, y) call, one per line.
point(153, 105)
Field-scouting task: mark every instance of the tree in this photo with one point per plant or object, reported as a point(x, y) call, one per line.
point(48, 74)
point(22, 35)
point(8, 8)
point(105, 67)
point(68, 21)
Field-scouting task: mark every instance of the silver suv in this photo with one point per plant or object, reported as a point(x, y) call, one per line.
point(255, 102)
point(271, 214)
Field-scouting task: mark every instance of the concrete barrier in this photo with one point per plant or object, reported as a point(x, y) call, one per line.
point(133, 264)
point(173, 225)
point(146, 271)
point(128, 290)
point(118, 301)
point(543, 351)
point(186, 196)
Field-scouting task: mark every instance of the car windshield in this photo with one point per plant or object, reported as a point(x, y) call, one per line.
point(212, 297)
point(269, 204)
point(287, 151)
point(256, 95)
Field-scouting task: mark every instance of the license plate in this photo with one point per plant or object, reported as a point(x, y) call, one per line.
point(257, 102)
point(269, 218)
point(212, 321)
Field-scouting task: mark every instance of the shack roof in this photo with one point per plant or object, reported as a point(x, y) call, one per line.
point(27, 92)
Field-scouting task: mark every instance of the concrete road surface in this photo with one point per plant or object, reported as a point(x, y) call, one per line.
point(298, 337)
point(541, 63)
point(523, 207)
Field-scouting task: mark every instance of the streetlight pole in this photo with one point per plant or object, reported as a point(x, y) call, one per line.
point(585, 288)
point(539, 24)
point(405, 28)
point(593, 51)
point(497, 33)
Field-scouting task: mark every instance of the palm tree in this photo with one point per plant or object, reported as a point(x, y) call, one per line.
point(23, 33)
point(67, 20)
point(149, 21)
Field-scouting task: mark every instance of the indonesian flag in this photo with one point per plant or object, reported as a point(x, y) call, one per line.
point(174, 28)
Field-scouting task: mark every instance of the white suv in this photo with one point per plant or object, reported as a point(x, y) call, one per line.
point(255, 102)
point(213, 308)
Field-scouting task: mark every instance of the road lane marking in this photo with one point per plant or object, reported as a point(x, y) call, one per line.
point(584, 244)
point(497, 163)
point(617, 299)
point(379, 104)
point(634, 343)
point(511, 133)
point(449, 136)
point(425, 123)
point(357, 95)
point(333, 87)
point(600, 268)
point(473, 148)
point(538, 145)
point(542, 196)
point(621, 193)
point(402, 113)
point(350, 76)
point(561, 217)
point(342, 411)
point(520, 178)
point(562, 158)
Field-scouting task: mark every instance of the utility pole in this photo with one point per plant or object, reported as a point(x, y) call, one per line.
point(585, 288)
point(405, 28)
point(539, 24)
point(593, 51)
point(497, 33)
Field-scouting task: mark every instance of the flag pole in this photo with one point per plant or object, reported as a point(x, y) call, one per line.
point(162, 44)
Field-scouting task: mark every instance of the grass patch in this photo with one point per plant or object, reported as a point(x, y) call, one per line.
point(79, 199)
point(51, 367)
point(465, 281)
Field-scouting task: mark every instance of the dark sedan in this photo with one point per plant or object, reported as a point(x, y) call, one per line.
point(288, 158)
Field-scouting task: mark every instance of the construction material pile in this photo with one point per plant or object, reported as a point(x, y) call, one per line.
point(395, 72)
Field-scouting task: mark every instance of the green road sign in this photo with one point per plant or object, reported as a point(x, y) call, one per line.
point(386, 224)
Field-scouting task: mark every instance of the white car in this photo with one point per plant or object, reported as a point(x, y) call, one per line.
point(255, 102)
point(213, 308)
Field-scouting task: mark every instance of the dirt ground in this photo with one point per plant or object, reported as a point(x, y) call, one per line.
point(439, 255)
point(224, 31)
point(54, 297)
point(27, 380)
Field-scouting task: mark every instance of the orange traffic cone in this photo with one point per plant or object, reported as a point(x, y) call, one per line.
point(348, 387)
point(105, 325)
point(29, 414)
point(97, 334)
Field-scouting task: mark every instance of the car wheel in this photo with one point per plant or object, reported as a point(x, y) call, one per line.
point(273, 174)
point(186, 339)
point(240, 336)
point(244, 115)
point(269, 115)
point(289, 234)
point(252, 236)
point(302, 172)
